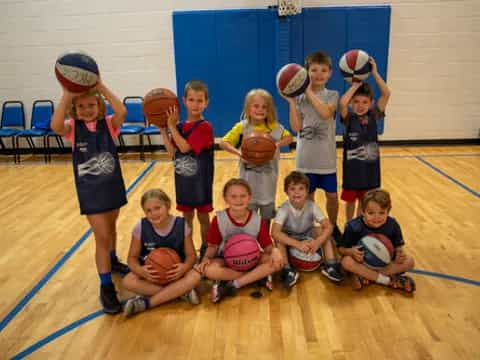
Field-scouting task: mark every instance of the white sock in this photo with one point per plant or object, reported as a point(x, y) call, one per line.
point(383, 279)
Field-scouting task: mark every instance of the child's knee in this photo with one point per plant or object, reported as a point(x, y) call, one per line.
point(347, 262)
point(129, 280)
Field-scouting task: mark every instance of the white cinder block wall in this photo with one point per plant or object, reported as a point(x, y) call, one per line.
point(433, 62)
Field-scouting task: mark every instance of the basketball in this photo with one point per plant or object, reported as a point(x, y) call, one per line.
point(303, 261)
point(156, 104)
point(292, 80)
point(162, 260)
point(377, 250)
point(258, 148)
point(76, 71)
point(354, 65)
point(241, 252)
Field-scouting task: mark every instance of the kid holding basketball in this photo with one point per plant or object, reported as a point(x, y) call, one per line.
point(376, 205)
point(261, 116)
point(98, 176)
point(361, 157)
point(160, 229)
point(237, 218)
point(312, 116)
point(191, 145)
point(294, 227)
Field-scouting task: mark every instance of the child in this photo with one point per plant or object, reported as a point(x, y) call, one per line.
point(361, 158)
point(98, 176)
point(160, 229)
point(376, 206)
point(237, 218)
point(312, 116)
point(191, 145)
point(261, 116)
point(294, 226)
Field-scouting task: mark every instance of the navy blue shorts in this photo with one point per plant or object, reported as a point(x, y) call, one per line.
point(327, 182)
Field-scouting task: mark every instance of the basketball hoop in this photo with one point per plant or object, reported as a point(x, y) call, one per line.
point(289, 7)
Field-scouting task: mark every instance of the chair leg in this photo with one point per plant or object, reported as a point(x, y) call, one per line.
point(142, 150)
point(46, 149)
point(16, 154)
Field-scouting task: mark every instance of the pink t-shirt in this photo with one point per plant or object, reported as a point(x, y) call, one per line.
point(91, 126)
point(137, 230)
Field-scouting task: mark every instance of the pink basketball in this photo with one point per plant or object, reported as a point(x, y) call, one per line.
point(292, 80)
point(241, 252)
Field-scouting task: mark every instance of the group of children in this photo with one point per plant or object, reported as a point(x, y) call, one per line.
point(250, 199)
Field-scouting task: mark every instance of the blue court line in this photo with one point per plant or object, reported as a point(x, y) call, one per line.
point(455, 181)
point(446, 277)
point(99, 313)
point(26, 299)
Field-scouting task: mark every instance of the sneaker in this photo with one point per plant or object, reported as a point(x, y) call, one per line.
point(359, 282)
point(403, 282)
point(289, 277)
point(333, 272)
point(337, 234)
point(191, 297)
point(109, 300)
point(120, 268)
point(134, 306)
point(266, 282)
point(221, 289)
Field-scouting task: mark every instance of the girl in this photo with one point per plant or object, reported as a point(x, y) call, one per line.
point(376, 205)
point(98, 176)
point(160, 229)
point(237, 218)
point(260, 117)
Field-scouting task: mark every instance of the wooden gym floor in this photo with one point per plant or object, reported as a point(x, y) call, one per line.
point(49, 306)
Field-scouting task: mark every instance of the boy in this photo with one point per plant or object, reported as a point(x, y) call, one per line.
point(376, 206)
point(361, 158)
point(191, 145)
point(312, 116)
point(294, 226)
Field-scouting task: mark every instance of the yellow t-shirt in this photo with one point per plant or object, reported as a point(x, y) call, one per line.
point(233, 136)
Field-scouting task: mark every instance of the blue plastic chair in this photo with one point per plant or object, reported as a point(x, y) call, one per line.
point(42, 111)
point(134, 122)
point(12, 123)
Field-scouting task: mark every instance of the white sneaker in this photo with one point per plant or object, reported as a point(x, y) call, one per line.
point(191, 297)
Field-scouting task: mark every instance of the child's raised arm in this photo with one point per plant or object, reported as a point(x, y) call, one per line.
point(325, 110)
point(382, 85)
point(58, 118)
point(346, 98)
point(294, 117)
point(119, 110)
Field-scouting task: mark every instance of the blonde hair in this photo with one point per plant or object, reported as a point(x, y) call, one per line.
point(196, 85)
point(236, 182)
point(379, 196)
point(156, 194)
point(271, 120)
point(102, 107)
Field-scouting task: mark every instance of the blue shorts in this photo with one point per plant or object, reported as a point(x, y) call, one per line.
point(327, 182)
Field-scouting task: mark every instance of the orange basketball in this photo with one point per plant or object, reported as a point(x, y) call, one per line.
point(162, 260)
point(258, 148)
point(156, 103)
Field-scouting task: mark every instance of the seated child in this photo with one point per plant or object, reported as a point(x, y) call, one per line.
point(376, 205)
point(160, 229)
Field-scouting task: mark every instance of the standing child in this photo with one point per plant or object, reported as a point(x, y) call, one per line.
point(312, 116)
point(361, 158)
point(237, 218)
point(294, 226)
point(261, 116)
point(191, 145)
point(98, 176)
point(376, 206)
point(160, 229)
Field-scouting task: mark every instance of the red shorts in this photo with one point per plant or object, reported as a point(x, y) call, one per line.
point(201, 209)
point(352, 195)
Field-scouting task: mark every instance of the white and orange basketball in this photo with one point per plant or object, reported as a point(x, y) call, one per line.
point(292, 80)
point(76, 71)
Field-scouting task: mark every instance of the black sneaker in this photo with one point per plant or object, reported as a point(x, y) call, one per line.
point(109, 300)
point(333, 272)
point(221, 289)
point(337, 234)
point(289, 277)
point(120, 268)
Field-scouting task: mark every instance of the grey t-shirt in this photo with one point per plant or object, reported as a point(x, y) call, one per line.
point(316, 152)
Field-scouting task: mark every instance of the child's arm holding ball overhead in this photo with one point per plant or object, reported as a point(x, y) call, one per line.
point(384, 90)
point(119, 109)
point(58, 123)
